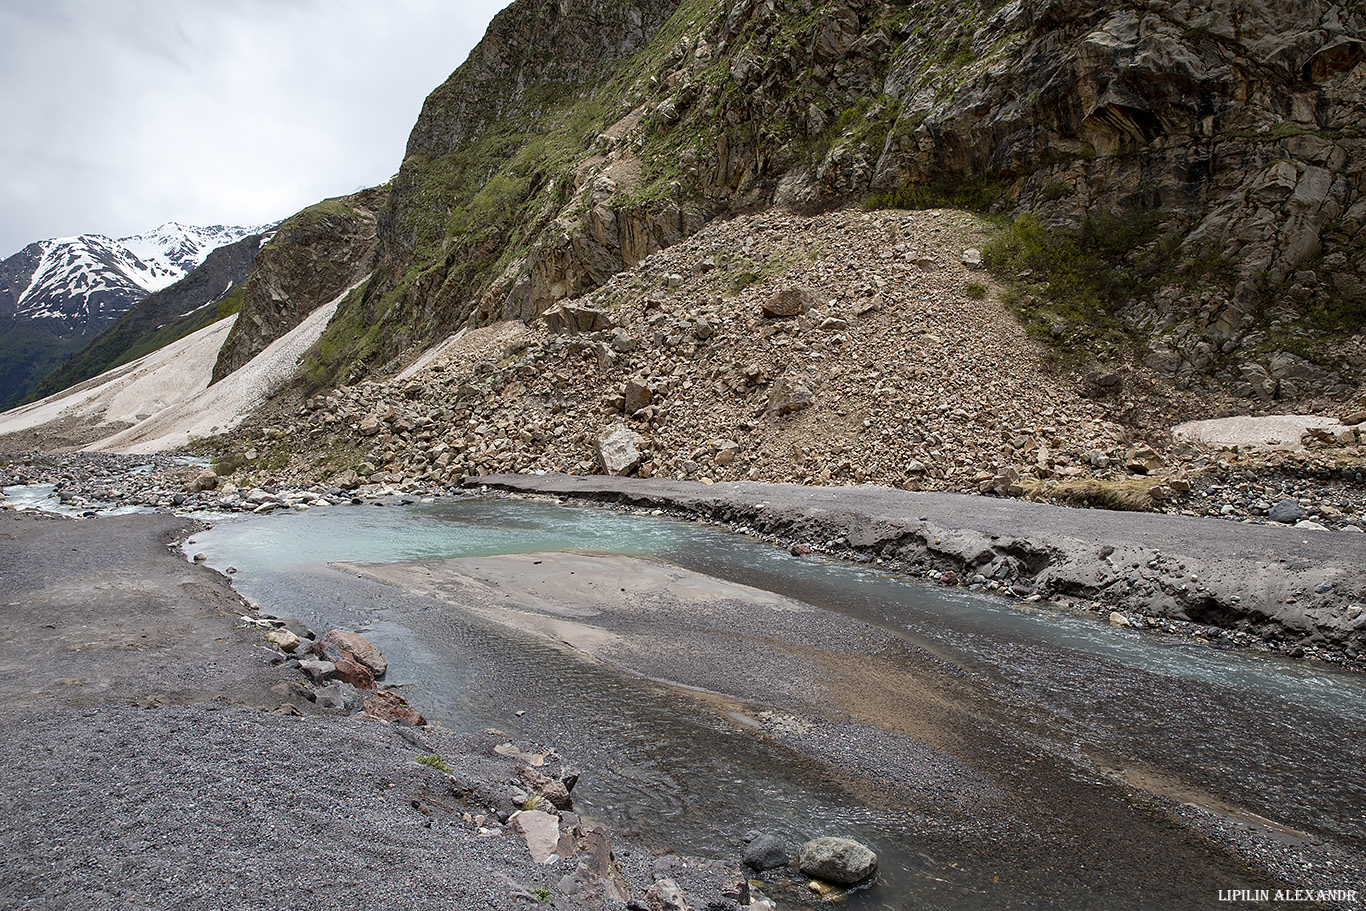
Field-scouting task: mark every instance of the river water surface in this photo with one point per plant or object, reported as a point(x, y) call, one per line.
point(1247, 739)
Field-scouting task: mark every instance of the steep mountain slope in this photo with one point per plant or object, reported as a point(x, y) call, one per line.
point(1206, 160)
point(209, 292)
point(55, 295)
point(314, 256)
point(1174, 201)
point(488, 170)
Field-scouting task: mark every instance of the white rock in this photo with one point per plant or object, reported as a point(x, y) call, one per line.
point(617, 449)
point(542, 833)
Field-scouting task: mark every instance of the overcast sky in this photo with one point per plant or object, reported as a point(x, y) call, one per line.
point(117, 116)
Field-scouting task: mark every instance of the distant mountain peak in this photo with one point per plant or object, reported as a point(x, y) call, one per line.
point(92, 277)
point(59, 293)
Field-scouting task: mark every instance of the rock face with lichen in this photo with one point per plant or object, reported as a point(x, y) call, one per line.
point(580, 138)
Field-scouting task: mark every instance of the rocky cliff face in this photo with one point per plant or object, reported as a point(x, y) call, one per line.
point(550, 161)
point(488, 173)
point(1238, 122)
point(1235, 123)
point(313, 257)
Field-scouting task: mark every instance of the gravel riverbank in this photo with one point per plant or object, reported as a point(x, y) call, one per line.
point(160, 754)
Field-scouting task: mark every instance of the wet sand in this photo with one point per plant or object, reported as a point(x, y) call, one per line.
point(1295, 589)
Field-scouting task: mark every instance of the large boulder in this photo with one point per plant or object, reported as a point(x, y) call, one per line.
point(1287, 511)
point(618, 450)
point(788, 396)
point(842, 861)
point(552, 789)
point(317, 669)
point(386, 705)
point(205, 480)
point(574, 317)
point(346, 665)
point(541, 831)
point(347, 480)
point(766, 852)
point(360, 648)
point(788, 302)
point(349, 670)
point(637, 395)
point(666, 895)
point(283, 639)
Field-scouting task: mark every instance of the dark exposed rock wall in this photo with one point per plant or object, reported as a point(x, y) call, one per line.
point(314, 256)
point(1241, 121)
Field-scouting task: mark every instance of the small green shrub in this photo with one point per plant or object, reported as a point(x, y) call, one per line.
point(973, 194)
point(435, 761)
point(743, 280)
point(976, 290)
point(1068, 284)
point(227, 463)
point(1053, 191)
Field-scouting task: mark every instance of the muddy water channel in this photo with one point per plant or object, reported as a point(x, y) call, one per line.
point(993, 753)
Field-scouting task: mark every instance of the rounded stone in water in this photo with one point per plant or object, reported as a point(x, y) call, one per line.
point(842, 861)
point(766, 852)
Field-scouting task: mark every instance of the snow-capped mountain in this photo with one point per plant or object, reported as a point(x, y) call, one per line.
point(77, 285)
point(173, 250)
point(57, 295)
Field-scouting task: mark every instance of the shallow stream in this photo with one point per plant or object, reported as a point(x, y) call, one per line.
point(1246, 736)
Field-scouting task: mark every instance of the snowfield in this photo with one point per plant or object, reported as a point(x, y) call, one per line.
point(166, 397)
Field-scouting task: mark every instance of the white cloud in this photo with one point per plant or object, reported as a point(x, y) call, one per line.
point(121, 116)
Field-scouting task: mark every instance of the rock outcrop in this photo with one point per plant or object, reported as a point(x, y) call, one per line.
point(312, 258)
point(551, 161)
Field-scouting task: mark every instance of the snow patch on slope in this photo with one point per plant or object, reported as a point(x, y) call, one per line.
point(166, 395)
point(208, 410)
